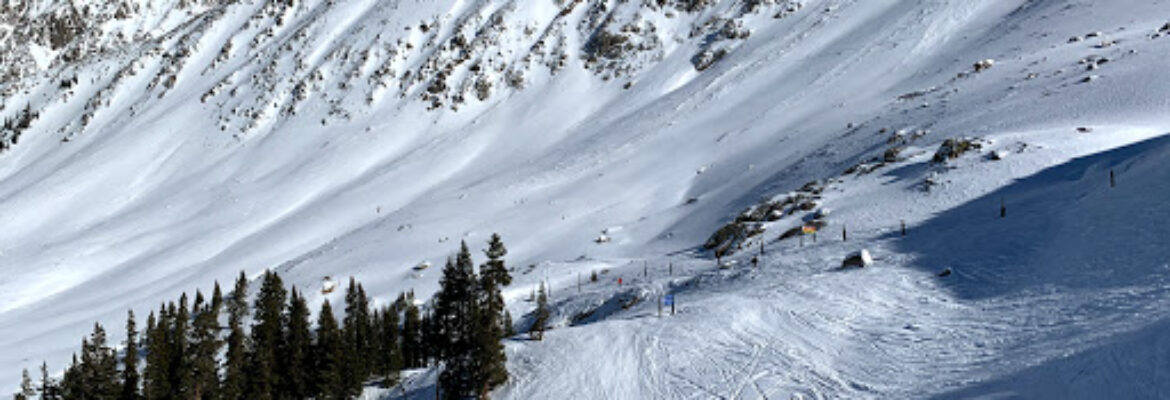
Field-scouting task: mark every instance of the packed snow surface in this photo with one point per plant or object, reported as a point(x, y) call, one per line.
point(366, 138)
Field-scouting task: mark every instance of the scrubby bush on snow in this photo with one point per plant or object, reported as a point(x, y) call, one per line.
point(954, 148)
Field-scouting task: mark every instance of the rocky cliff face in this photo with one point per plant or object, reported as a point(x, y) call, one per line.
point(444, 55)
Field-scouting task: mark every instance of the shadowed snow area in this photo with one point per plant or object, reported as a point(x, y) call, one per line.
point(327, 139)
point(1065, 228)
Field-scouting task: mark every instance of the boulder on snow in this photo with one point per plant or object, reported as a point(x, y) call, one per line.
point(892, 154)
point(860, 259)
point(984, 65)
point(953, 148)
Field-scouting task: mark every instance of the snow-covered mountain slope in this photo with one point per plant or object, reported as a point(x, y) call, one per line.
point(179, 142)
point(1064, 297)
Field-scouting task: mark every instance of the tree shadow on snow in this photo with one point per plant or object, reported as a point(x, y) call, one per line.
point(1064, 227)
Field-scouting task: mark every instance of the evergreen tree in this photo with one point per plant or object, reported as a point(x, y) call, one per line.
point(431, 337)
point(155, 375)
point(455, 316)
point(413, 354)
point(99, 368)
point(267, 331)
point(217, 300)
point(27, 392)
point(297, 352)
point(541, 315)
point(356, 330)
point(205, 345)
point(234, 380)
point(389, 348)
point(491, 326)
point(495, 267)
point(72, 386)
point(130, 376)
point(509, 330)
point(50, 390)
point(328, 348)
point(181, 371)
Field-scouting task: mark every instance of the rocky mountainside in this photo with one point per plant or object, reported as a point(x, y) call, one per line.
point(149, 147)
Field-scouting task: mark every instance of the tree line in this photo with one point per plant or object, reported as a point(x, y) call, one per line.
point(269, 348)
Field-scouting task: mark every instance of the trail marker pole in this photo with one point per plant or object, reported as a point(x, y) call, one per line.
point(844, 234)
point(671, 266)
point(1112, 180)
point(903, 227)
point(659, 306)
point(1002, 208)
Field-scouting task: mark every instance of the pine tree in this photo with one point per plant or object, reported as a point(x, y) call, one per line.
point(234, 380)
point(205, 345)
point(431, 337)
point(267, 331)
point(130, 376)
point(509, 330)
point(217, 300)
point(155, 375)
point(99, 367)
point(495, 274)
point(181, 372)
point(50, 389)
point(297, 353)
point(389, 348)
point(27, 392)
point(72, 386)
point(413, 354)
point(489, 330)
point(541, 315)
point(495, 267)
point(329, 384)
point(356, 330)
point(455, 316)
